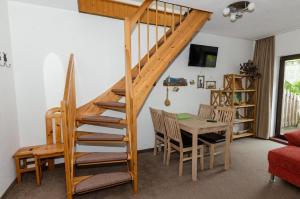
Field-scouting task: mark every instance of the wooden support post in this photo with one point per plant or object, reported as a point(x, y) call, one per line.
point(173, 20)
point(131, 121)
point(139, 45)
point(180, 15)
point(165, 25)
point(148, 35)
point(156, 25)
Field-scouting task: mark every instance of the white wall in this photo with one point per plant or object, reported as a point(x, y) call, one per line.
point(285, 44)
point(97, 43)
point(9, 141)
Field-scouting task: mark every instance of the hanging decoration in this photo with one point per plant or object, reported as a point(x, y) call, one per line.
point(4, 60)
point(171, 81)
point(192, 82)
point(200, 81)
point(167, 101)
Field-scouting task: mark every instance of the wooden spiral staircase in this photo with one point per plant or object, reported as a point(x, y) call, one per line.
point(179, 25)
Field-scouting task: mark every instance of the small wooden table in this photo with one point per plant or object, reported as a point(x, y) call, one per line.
point(196, 126)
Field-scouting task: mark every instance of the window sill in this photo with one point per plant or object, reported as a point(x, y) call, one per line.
point(279, 140)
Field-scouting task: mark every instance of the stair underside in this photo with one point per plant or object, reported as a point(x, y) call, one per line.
point(100, 181)
point(89, 158)
point(99, 120)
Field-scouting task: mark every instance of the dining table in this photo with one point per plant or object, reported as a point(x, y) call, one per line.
point(196, 126)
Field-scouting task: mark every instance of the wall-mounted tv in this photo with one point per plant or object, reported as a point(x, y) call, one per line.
point(203, 56)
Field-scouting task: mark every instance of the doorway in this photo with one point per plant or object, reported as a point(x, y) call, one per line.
point(288, 100)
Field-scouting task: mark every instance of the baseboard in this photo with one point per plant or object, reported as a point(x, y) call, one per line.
point(145, 150)
point(9, 188)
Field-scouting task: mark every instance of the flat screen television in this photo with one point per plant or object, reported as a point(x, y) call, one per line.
point(203, 56)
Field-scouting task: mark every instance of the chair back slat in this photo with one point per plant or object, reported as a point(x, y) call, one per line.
point(225, 114)
point(206, 112)
point(158, 120)
point(53, 125)
point(172, 127)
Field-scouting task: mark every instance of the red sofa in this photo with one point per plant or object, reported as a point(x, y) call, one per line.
point(285, 162)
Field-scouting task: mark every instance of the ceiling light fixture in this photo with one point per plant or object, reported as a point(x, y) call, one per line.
point(237, 9)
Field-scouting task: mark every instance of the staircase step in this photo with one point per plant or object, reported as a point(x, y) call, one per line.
point(90, 158)
point(100, 120)
point(100, 181)
point(117, 106)
point(119, 91)
point(97, 138)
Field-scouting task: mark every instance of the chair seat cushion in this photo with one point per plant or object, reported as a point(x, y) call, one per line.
point(212, 138)
point(187, 140)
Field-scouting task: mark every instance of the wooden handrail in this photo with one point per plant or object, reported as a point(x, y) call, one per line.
point(69, 77)
point(68, 112)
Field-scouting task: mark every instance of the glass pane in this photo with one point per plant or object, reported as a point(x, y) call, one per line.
point(290, 100)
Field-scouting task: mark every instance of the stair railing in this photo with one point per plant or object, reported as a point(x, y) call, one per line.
point(68, 109)
point(160, 15)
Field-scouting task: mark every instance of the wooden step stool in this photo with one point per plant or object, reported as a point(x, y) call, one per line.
point(30, 158)
point(23, 163)
point(37, 154)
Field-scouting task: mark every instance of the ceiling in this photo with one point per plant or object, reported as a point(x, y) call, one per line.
point(270, 16)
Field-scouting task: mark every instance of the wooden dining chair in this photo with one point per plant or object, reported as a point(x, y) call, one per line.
point(206, 111)
point(178, 141)
point(160, 132)
point(216, 139)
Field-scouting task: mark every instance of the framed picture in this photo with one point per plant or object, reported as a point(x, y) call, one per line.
point(211, 85)
point(200, 81)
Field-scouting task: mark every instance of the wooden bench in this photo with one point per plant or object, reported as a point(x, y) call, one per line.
point(29, 159)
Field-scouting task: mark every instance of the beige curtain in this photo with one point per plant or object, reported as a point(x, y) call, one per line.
point(264, 59)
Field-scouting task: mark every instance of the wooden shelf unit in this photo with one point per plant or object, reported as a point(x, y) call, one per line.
point(244, 120)
point(245, 106)
point(239, 92)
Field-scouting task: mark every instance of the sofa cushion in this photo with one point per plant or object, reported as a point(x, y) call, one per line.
point(287, 158)
point(293, 138)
